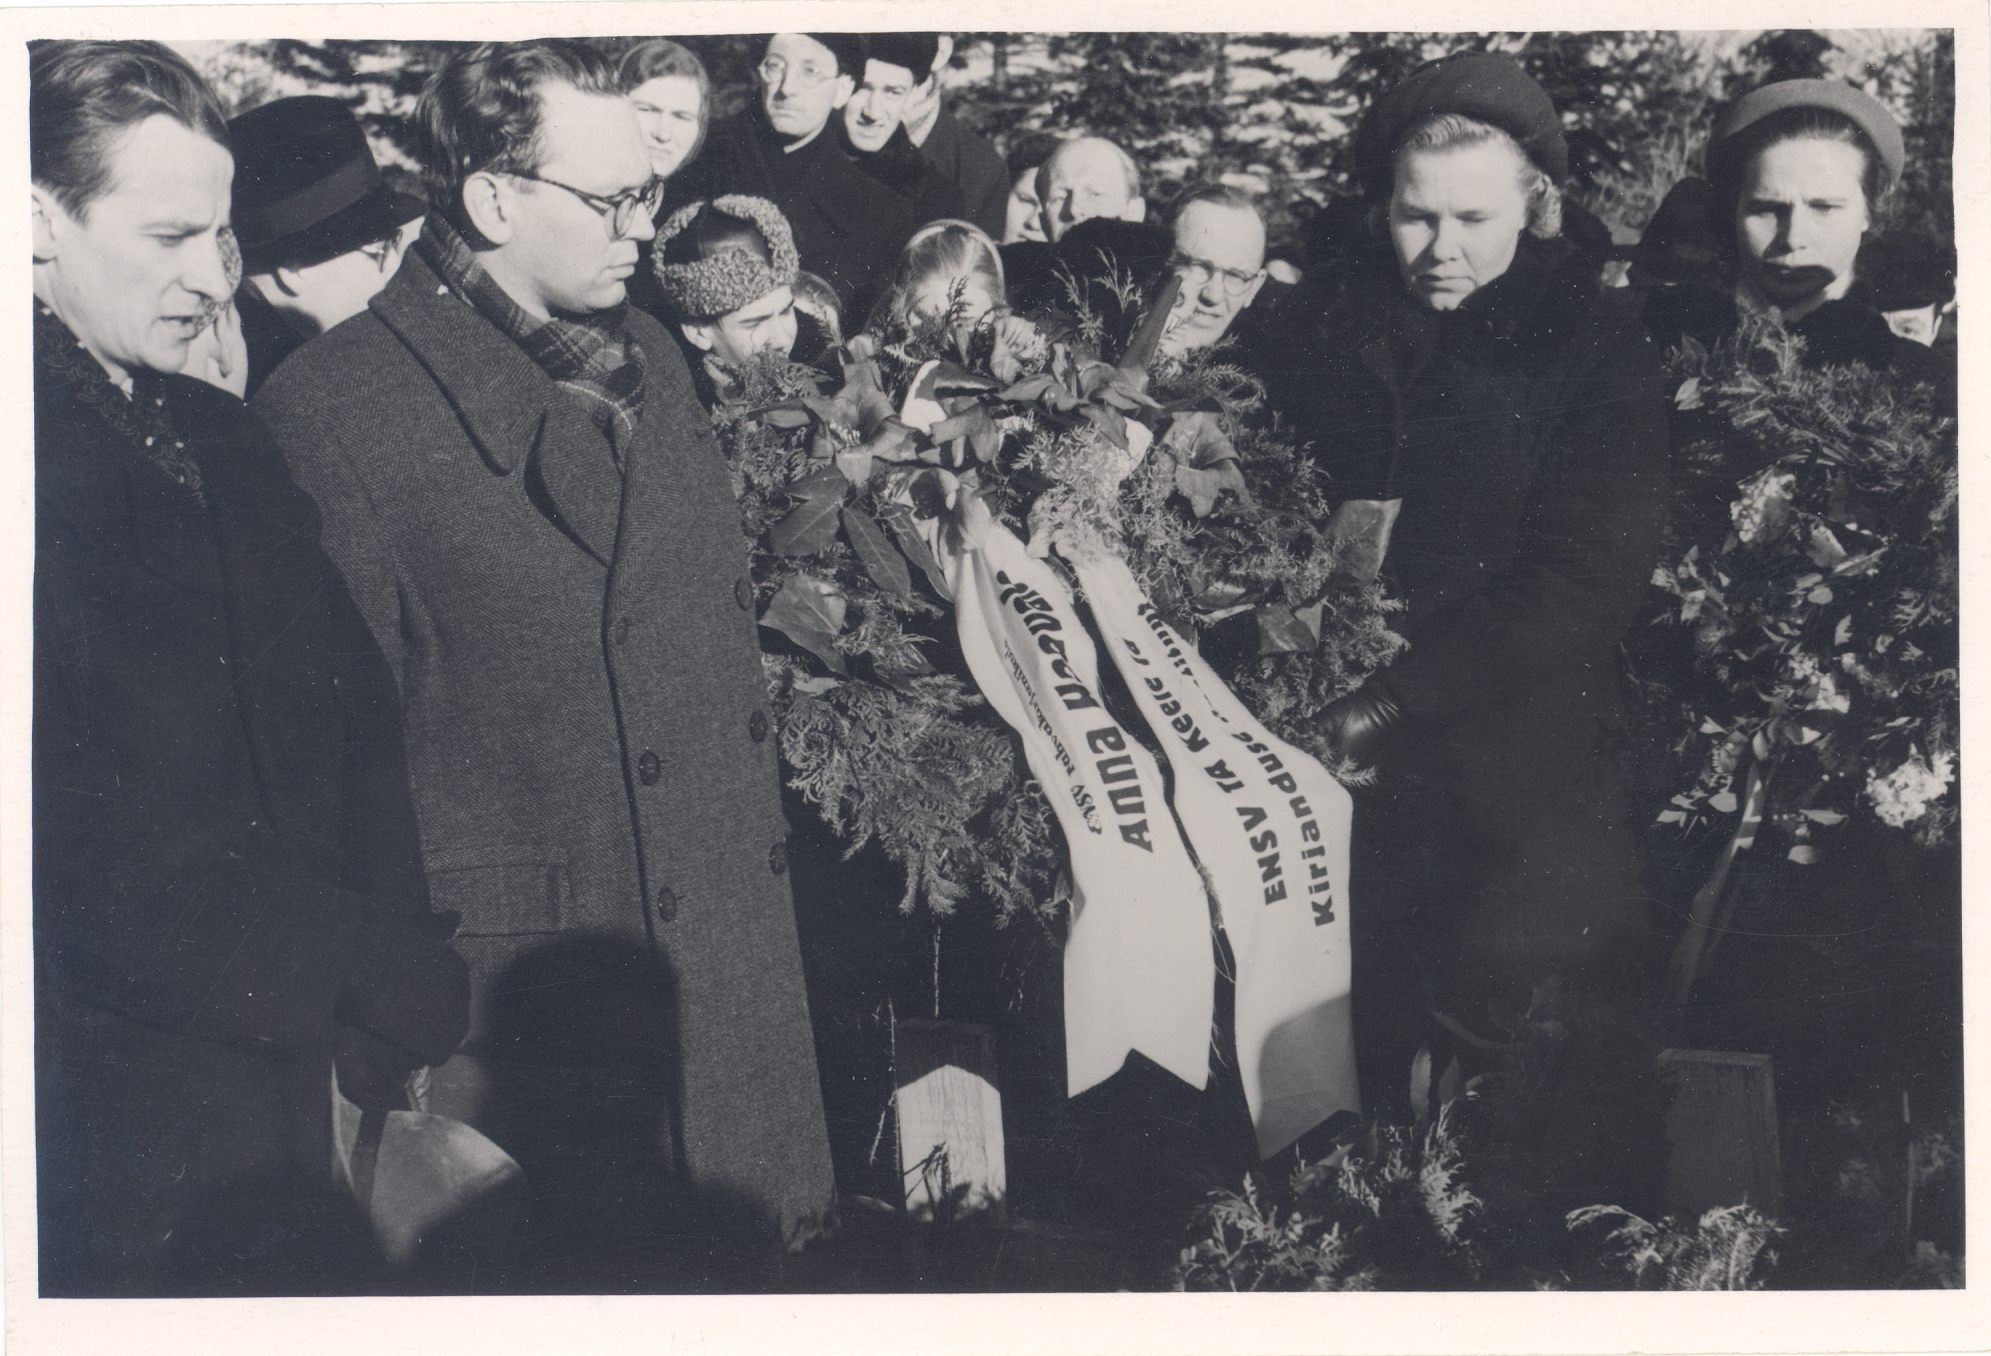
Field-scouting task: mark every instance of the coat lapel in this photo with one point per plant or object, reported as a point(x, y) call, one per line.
point(582, 487)
point(511, 409)
point(669, 460)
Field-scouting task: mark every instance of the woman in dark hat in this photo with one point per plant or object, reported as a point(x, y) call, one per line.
point(1499, 421)
point(1797, 172)
point(1798, 175)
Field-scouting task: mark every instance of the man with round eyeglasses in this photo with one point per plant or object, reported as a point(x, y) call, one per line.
point(1219, 255)
point(520, 484)
point(848, 226)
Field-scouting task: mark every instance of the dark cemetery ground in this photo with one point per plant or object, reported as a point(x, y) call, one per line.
point(1856, 1006)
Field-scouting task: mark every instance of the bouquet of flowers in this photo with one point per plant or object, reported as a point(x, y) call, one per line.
point(881, 728)
point(1823, 610)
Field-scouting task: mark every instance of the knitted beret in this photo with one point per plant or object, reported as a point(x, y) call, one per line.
point(731, 278)
point(1488, 86)
point(1858, 107)
point(916, 52)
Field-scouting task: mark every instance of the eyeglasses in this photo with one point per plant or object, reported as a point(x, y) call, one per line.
point(808, 75)
point(383, 252)
point(1198, 272)
point(621, 210)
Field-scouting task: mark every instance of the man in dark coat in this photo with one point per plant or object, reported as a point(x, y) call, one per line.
point(848, 227)
point(872, 129)
point(523, 490)
point(228, 893)
point(1095, 221)
point(964, 157)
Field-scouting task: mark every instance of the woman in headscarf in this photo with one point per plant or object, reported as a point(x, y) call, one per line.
point(1498, 424)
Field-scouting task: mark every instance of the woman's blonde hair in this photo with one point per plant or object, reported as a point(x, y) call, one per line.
point(948, 248)
point(1444, 131)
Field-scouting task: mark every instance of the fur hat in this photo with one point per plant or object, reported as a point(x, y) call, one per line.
point(732, 278)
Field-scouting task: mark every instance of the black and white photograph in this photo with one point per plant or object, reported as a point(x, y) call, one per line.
point(659, 660)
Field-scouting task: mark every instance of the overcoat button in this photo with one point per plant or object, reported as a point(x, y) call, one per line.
point(777, 858)
point(622, 631)
point(743, 593)
point(757, 726)
point(648, 768)
point(667, 904)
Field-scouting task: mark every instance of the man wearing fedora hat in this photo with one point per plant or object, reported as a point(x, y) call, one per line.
point(320, 228)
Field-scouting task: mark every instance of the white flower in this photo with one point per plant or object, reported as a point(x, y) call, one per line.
point(1903, 795)
point(1817, 688)
point(1764, 505)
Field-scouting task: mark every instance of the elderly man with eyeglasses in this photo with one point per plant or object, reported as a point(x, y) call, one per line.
point(521, 487)
point(848, 226)
point(1218, 253)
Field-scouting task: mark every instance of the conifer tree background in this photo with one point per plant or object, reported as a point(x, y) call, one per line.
point(1272, 111)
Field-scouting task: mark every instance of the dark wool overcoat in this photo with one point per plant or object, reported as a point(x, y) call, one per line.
point(592, 758)
point(972, 164)
point(899, 166)
point(222, 835)
point(849, 228)
point(1526, 435)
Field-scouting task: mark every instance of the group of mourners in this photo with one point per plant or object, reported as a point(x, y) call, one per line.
point(400, 731)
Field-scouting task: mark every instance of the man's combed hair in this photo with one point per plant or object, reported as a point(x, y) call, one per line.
point(1444, 131)
point(83, 94)
point(1217, 194)
point(482, 110)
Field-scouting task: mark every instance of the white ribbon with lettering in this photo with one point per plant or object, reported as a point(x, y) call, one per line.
point(1271, 828)
point(1139, 972)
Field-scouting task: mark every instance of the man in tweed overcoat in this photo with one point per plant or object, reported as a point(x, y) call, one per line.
point(524, 493)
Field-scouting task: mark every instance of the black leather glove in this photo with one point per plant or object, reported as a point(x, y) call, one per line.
point(1358, 724)
point(411, 991)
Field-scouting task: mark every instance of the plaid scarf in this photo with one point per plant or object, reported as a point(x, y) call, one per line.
point(593, 360)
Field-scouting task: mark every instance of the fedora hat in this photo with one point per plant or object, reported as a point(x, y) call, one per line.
point(306, 185)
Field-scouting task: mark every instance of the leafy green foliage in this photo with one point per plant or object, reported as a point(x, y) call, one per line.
point(1389, 1211)
point(1823, 602)
point(1073, 441)
point(1728, 1248)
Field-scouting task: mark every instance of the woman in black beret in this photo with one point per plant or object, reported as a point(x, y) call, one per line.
point(1498, 425)
point(1798, 171)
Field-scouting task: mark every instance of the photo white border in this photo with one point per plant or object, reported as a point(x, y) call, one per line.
point(1142, 1325)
